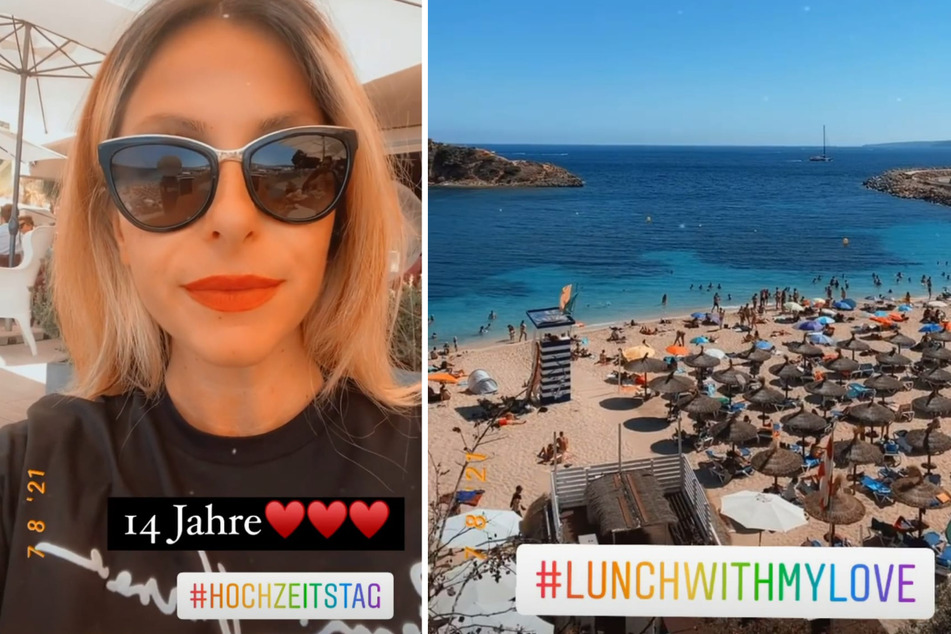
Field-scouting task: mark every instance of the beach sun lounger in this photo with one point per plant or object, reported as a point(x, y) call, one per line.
point(879, 490)
point(885, 532)
point(858, 392)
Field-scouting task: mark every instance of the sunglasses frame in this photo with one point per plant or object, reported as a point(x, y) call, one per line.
point(108, 149)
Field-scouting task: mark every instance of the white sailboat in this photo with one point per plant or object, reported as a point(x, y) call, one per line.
point(822, 158)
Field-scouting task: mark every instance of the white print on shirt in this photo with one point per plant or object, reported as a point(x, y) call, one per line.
point(150, 593)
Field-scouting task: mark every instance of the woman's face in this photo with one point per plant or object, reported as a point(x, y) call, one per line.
point(225, 84)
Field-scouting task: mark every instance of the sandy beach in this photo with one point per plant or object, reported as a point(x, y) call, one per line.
point(599, 409)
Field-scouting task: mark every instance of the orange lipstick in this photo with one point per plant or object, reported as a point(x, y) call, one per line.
point(233, 293)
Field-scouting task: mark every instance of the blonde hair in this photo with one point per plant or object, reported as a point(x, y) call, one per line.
point(115, 344)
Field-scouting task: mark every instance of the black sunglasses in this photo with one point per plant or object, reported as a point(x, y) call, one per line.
point(163, 183)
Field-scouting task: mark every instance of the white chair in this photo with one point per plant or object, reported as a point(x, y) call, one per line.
point(16, 284)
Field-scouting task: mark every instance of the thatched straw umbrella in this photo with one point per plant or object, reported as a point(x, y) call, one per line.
point(670, 384)
point(942, 355)
point(853, 345)
point(803, 423)
point(699, 404)
point(937, 377)
point(943, 336)
point(855, 452)
point(893, 359)
point(929, 441)
point(916, 492)
point(884, 384)
point(777, 462)
point(842, 509)
point(842, 365)
point(734, 431)
point(644, 365)
point(756, 355)
point(732, 378)
point(764, 397)
point(806, 349)
point(702, 361)
point(827, 390)
point(787, 372)
point(900, 341)
point(932, 405)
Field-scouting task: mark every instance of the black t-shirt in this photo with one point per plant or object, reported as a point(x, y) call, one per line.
point(130, 446)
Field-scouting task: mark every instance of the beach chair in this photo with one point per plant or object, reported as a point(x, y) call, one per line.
point(865, 370)
point(934, 478)
point(934, 540)
point(942, 564)
point(858, 392)
point(744, 472)
point(902, 442)
point(808, 462)
point(703, 441)
point(892, 452)
point(879, 490)
point(746, 453)
point(714, 456)
point(889, 475)
point(720, 472)
point(710, 389)
point(905, 413)
point(885, 532)
point(815, 543)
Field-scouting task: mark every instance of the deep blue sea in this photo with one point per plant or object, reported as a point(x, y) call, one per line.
point(654, 220)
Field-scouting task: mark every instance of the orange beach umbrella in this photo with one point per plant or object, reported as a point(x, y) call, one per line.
point(678, 351)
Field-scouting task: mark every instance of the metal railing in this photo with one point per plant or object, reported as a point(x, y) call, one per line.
point(568, 487)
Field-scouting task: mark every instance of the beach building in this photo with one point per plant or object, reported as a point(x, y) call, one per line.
point(655, 500)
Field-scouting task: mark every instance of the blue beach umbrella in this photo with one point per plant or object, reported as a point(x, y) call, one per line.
point(764, 345)
point(698, 315)
point(821, 340)
point(811, 326)
point(930, 328)
point(700, 340)
point(825, 321)
point(881, 313)
point(905, 308)
point(848, 302)
point(713, 317)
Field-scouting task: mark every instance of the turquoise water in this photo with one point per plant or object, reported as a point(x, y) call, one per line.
point(655, 220)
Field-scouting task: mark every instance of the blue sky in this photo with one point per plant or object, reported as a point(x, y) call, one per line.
point(702, 72)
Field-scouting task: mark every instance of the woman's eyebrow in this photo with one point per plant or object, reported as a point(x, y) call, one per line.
point(174, 123)
point(285, 120)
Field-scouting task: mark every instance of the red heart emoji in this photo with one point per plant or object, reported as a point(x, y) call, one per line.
point(284, 520)
point(369, 519)
point(327, 519)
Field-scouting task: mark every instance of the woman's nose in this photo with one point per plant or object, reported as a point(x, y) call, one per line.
point(232, 214)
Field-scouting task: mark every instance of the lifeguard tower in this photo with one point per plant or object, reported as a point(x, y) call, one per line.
point(550, 382)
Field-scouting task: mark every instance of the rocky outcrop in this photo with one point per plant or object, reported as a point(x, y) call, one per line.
point(931, 184)
point(459, 166)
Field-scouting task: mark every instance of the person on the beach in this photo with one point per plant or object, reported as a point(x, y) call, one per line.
point(455, 344)
point(522, 331)
point(680, 338)
point(511, 332)
point(481, 330)
point(434, 355)
point(663, 301)
point(561, 443)
point(516, 503)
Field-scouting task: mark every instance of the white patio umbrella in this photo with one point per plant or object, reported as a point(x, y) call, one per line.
point(471, 599)
point(763, 511)
point(49, 50)
point(716, 353)
point(29, 152)
point(500, 526)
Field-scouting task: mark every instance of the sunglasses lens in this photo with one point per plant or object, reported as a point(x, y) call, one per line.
point(161, 186)
point(299, 177)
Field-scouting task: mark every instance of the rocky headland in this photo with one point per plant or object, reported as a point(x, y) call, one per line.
point(459, 166)
point(931, 184)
